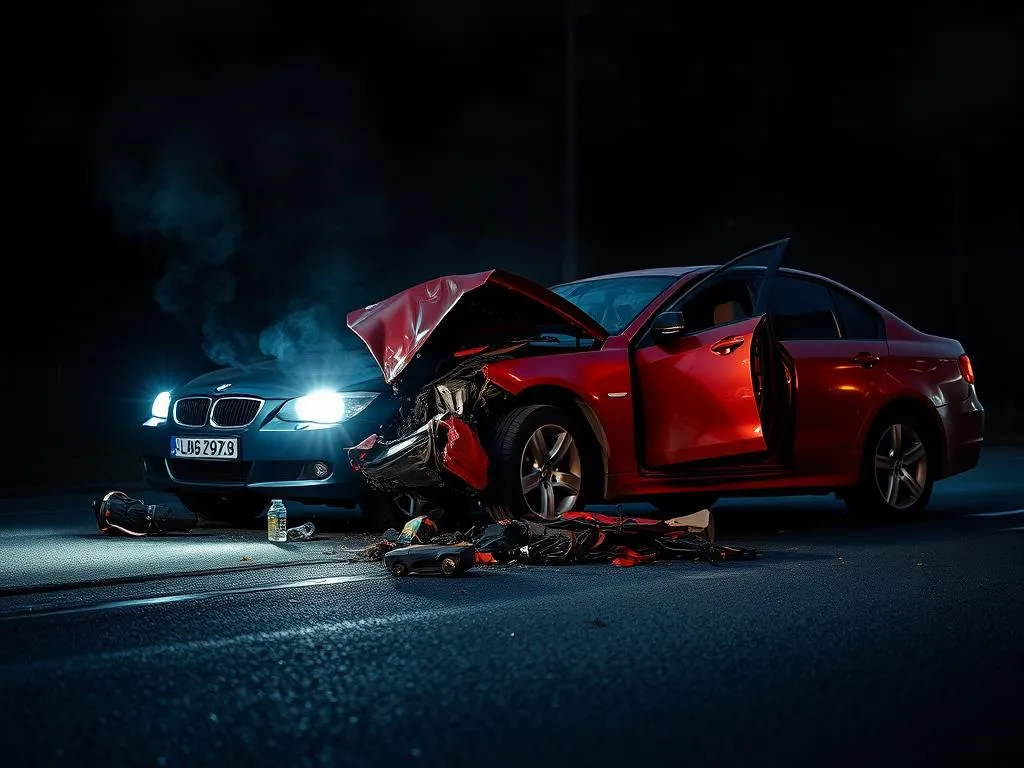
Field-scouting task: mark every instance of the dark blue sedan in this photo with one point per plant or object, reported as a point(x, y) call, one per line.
point(228, 441)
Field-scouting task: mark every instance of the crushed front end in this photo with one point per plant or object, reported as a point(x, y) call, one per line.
point(433, 445)
point(433, 342)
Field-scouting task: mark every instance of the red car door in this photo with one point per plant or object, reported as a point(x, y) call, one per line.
point(699, 380)
point(840, 357)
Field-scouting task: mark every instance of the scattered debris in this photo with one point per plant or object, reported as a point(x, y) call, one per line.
point(302, 532)
point(573, 537)
point(117, 514)
point(597, 624)
point(245, 558)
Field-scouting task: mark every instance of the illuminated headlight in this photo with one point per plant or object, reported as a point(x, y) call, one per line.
point(161, 405)
point(326, 407)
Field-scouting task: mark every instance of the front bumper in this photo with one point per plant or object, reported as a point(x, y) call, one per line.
point(276, 459)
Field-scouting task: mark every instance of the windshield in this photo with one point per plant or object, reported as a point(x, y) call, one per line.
point(615, 301)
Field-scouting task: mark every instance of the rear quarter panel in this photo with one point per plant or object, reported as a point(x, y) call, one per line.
point(924, 364)
point(927, 368)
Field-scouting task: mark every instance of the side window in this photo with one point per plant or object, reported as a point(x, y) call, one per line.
point(859, 321)
point(720, 302)
point(802, 310)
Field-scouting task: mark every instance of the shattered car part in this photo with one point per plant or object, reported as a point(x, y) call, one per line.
point(119, 514)
point(443, 449)
point(429, 559)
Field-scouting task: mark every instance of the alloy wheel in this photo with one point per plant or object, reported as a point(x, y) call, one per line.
point(551, 471)
point(901, 466)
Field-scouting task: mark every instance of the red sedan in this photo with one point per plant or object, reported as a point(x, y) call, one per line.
point(675, 386)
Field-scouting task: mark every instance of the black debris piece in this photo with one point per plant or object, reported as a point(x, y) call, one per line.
point(117, 514)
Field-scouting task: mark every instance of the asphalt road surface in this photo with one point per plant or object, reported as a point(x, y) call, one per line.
point(845, 644)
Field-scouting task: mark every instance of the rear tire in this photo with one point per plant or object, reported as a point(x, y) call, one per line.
point(523, 483)
point(240, 510)
point(897, 470)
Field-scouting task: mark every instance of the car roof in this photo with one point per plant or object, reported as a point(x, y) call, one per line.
point(677, 272)
point(649, 272)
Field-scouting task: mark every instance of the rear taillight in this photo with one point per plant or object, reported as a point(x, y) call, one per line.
point(966, 369)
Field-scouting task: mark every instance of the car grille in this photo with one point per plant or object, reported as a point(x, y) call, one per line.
point(204, 471)
point(235, 411)
point(191, 411)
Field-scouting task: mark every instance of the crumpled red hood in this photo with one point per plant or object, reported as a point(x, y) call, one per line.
point(490, 303)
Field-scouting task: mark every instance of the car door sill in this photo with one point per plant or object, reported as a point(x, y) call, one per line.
point(702, 474)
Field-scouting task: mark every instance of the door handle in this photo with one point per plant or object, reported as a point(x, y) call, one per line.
point(727, 346)
point(866, 359)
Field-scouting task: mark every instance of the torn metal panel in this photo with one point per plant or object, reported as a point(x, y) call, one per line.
point(463, 454)
point(406, 463)
point(443, 452)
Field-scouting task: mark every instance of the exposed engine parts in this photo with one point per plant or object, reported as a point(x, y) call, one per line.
point(434, 441)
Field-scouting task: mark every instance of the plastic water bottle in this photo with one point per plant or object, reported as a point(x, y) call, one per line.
point(277, 521)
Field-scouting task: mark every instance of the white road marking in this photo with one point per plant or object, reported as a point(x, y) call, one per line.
point(177, 598)
point(1015, 528)
point(999, 514)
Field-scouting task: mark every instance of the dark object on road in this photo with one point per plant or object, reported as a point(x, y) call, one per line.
point(119, 514)
point(419, 530)
point(430, 559)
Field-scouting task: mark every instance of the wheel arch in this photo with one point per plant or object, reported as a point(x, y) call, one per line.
point(575, 406)
point(924, 414)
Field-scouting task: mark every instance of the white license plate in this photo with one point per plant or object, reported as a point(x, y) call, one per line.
point(224, 448)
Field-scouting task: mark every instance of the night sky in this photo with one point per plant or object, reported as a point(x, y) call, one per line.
point(201, 182)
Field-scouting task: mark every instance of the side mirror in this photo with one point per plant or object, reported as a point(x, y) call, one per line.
point(668, 325)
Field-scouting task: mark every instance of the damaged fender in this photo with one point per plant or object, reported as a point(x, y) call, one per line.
point(432, 342)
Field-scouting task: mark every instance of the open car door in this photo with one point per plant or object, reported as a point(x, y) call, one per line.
point(703, 367)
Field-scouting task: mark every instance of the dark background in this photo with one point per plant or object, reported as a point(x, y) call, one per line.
point(203, 182)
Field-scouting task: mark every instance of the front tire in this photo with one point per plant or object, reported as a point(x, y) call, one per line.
point(539, 458)
point(897, 471)
point(236, 510)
